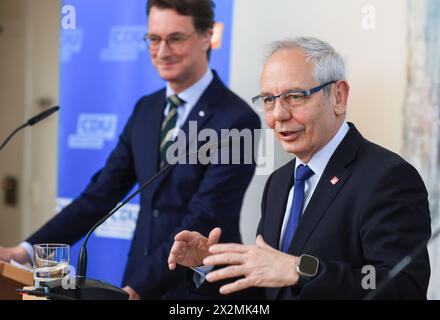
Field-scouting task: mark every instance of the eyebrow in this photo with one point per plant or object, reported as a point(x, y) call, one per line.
point(176, 33)
point(265, 94)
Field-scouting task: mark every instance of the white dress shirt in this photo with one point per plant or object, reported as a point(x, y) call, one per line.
point(191, 96)
point(317, 163)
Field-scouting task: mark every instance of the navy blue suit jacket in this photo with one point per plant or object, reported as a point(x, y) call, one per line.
point(375, 215)
point(194, 197)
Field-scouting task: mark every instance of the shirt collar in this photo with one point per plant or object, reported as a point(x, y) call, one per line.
point(321, 158)
point(192, 94)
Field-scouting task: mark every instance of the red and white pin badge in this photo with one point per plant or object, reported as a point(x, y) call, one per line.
point(334, 180)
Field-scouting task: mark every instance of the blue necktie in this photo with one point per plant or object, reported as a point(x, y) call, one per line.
point(302, 174)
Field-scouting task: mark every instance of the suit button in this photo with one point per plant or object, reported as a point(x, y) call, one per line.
point(145, 251)
point(155, 213)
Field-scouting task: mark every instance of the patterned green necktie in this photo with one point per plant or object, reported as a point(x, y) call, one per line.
point(168, 126)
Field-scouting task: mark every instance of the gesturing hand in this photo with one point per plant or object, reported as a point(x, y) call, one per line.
point(259, 264)
point(190, 248)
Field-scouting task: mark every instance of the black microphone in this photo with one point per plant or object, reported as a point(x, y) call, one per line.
point(402, 264)
point(31, 122)
point(95, 289)
point(43, 115)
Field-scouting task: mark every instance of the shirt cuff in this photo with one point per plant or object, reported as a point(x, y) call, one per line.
point(29, 249)
point(200, 273)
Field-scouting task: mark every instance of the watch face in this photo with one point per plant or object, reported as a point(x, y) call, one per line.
point(308, 265)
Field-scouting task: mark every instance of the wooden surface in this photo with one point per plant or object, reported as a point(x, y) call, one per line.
point(12, 278)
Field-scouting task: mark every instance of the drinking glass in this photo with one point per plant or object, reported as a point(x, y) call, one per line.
point(51, 264)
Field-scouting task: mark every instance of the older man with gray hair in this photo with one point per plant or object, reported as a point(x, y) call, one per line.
point(337, 218)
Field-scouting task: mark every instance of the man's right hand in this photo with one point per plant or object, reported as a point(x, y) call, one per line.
point(17, 253)
point(190, 248)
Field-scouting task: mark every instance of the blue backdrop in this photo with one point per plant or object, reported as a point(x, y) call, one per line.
point(105, 69)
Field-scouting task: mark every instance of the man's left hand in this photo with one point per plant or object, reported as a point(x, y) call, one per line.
point(133, 295)
point(259, 264)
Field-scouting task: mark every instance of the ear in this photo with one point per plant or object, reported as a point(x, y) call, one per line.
point(340, 94)
point(206, 37)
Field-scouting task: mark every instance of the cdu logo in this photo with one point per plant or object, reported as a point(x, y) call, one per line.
point(119, 226)
point(93, 130)
point(71, 43)
point(124, 44)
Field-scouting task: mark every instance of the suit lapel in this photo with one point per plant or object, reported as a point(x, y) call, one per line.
point(204, 108)
point(277, 206)
point(325, 192)
point(201, 113)
point(152, 132)
point(275, 209)
point(322, 197)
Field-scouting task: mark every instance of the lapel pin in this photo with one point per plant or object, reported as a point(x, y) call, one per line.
point(202, 113)
point(334, 180)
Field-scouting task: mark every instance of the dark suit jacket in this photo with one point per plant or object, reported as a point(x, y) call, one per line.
point(375, 215)
point(195, 197)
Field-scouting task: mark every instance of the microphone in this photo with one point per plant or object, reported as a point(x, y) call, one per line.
point(95, 289)
point(402, 264)
point(43, 115)
point(31, 122)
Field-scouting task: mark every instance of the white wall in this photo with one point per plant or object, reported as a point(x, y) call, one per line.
point(42, 82)
point(29, 46)
point(12, 77)
point(376, 61)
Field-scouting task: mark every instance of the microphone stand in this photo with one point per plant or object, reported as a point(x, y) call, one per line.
point(12, 134)
point(82, 261)
point(90, 289)
point(402, 264)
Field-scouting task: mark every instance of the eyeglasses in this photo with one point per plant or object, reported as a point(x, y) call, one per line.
point(174, 41)
point(291, 98)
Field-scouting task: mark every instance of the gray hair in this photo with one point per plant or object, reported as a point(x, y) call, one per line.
point(328, 64)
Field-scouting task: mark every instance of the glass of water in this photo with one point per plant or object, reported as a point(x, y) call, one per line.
point(51, 264)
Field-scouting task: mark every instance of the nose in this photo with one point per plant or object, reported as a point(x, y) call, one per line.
point(163, 50)
point(281, 112)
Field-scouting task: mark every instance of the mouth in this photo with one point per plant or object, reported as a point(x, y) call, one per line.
point(290, 135)
point(167, 64)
